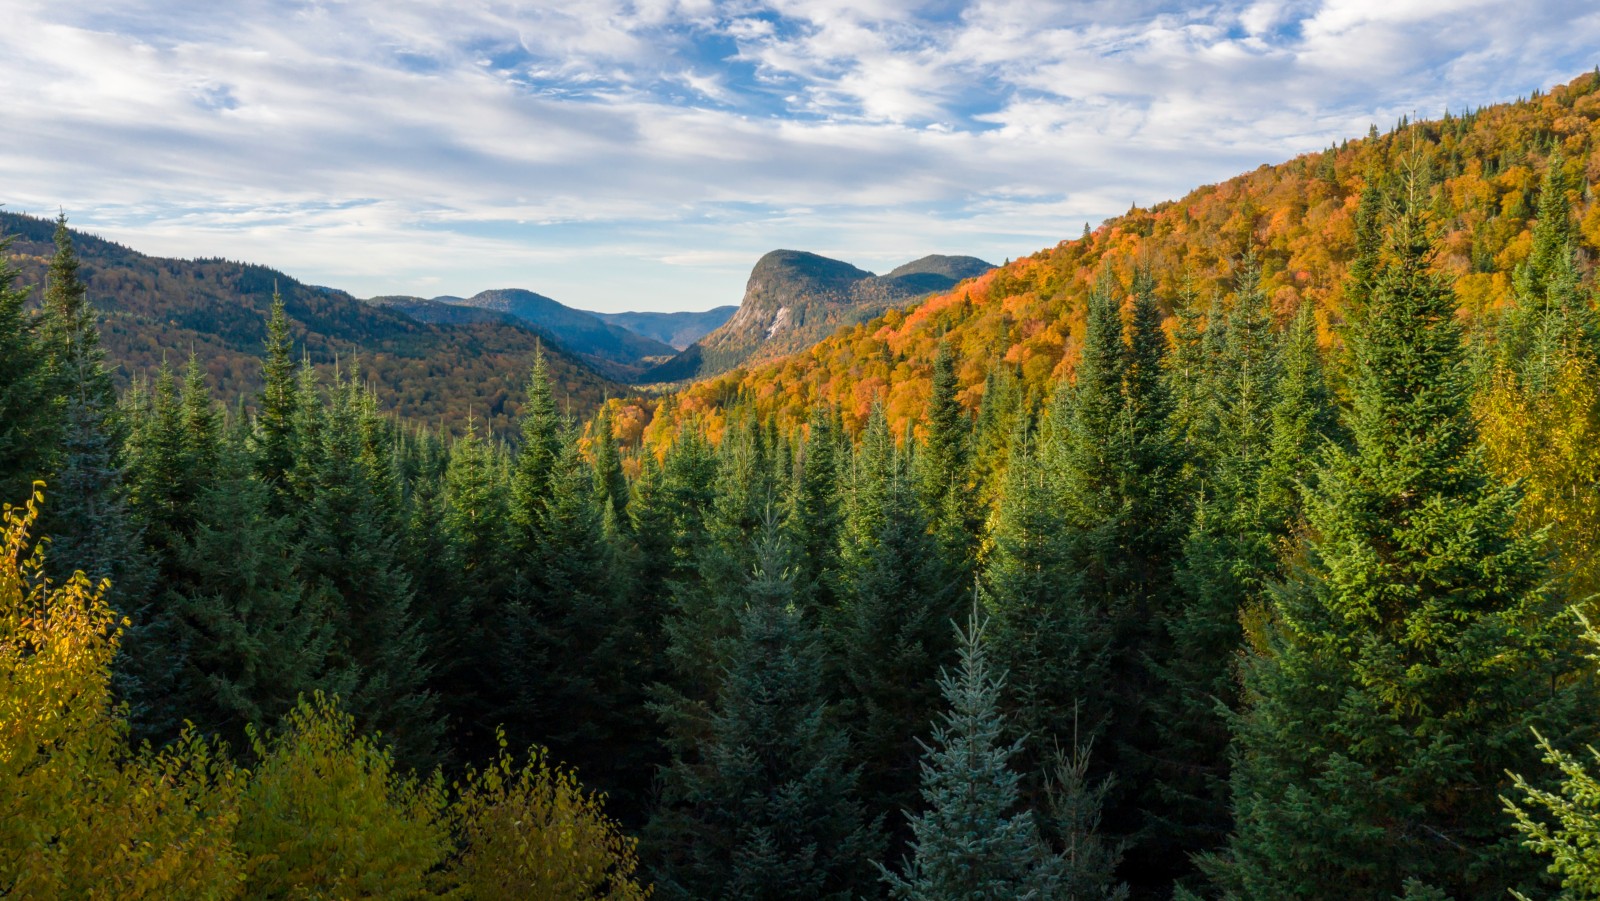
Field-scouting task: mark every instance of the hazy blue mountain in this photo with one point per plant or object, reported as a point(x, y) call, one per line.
point(676, 329)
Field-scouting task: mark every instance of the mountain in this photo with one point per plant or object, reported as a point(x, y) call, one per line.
point(154, 309)
point(676, 329)
point(611, 350)
point(795, 299)
point(1025, 320)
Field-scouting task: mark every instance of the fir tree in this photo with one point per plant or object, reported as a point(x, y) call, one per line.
point(351, 552)
point(813, 518)
point(1395, 674)
point(25, 411)
point(972, 841)
point(610, 485)
point(1055, 648)
point(767, 808)
point(1228, 554)
point(87, 517)
point(946, 466)
point(889, 636)
point(276, 409)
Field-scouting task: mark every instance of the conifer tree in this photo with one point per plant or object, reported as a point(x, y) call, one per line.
point(767, 808)
point(276, 410)
point(1110, 460)
point(87, 517)
point(352, 553)
point(813, 518)
point(1229, 553)
point(946, 466)
point(1395, 674)
point(889, 635)
point(971, 840)
point(611, 485)
point(1054, 648)
point(483, 639)
point(25, 411)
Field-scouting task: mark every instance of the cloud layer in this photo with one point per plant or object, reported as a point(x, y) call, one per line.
point(642, 154)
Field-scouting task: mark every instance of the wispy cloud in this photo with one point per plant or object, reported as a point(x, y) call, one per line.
point(626, 153)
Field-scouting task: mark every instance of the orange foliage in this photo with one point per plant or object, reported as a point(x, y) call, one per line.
point(1298, 218)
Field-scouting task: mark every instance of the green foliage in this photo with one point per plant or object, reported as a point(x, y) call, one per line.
point(25, 411)
point(1395, 672)
point(532, 831)
point(326, 814)
point(767, 809)
point(971, 841)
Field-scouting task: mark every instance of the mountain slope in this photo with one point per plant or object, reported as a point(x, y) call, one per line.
point(795, 298)
point(154, 308)
point(1296, 217)
point(678, 330)
point(611, 349)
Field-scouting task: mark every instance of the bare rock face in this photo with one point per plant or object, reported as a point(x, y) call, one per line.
point(795, 299)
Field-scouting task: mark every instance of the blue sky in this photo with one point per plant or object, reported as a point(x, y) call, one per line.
point(642, 155)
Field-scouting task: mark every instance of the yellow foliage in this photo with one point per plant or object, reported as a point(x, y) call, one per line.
point(80, 816)
point(326, 816)
point(533, 833)
point(1550, 442)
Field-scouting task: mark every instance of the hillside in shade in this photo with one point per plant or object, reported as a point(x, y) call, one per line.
point(155, 309)
point(795, 299)
point(1296, 218)
point(611, 349)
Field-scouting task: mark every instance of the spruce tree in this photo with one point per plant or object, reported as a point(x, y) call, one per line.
point(1054, 647)
point(483, 644)
point(610, 484)
point(1229, 553)
point(946, 466)
point(351, 552)
point(276, 409)
point(973, 840)
point(766, 808)
point(1110, 459)
point(889, 635)
point(1394, 676)
point(813, 514)
point(25, 411)
point(87, 516)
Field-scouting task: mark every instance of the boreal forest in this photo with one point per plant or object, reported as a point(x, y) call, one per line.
point(1245, 547)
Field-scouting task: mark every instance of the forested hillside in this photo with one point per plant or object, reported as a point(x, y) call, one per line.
point(154, 309)
point(1026, 320)
point(1166, 563)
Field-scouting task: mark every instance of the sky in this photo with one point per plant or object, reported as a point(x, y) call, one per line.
point(621, 155)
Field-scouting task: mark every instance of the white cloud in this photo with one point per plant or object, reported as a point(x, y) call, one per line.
point(652, 144)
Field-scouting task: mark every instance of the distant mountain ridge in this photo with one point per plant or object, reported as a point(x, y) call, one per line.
point(795, 299)
point(155, 309)
point(679, 330)
point(612, 350)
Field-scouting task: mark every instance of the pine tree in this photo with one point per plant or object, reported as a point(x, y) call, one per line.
point(25, 411)
point(767, 807)
point(1395, 674)
point(972, 841)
